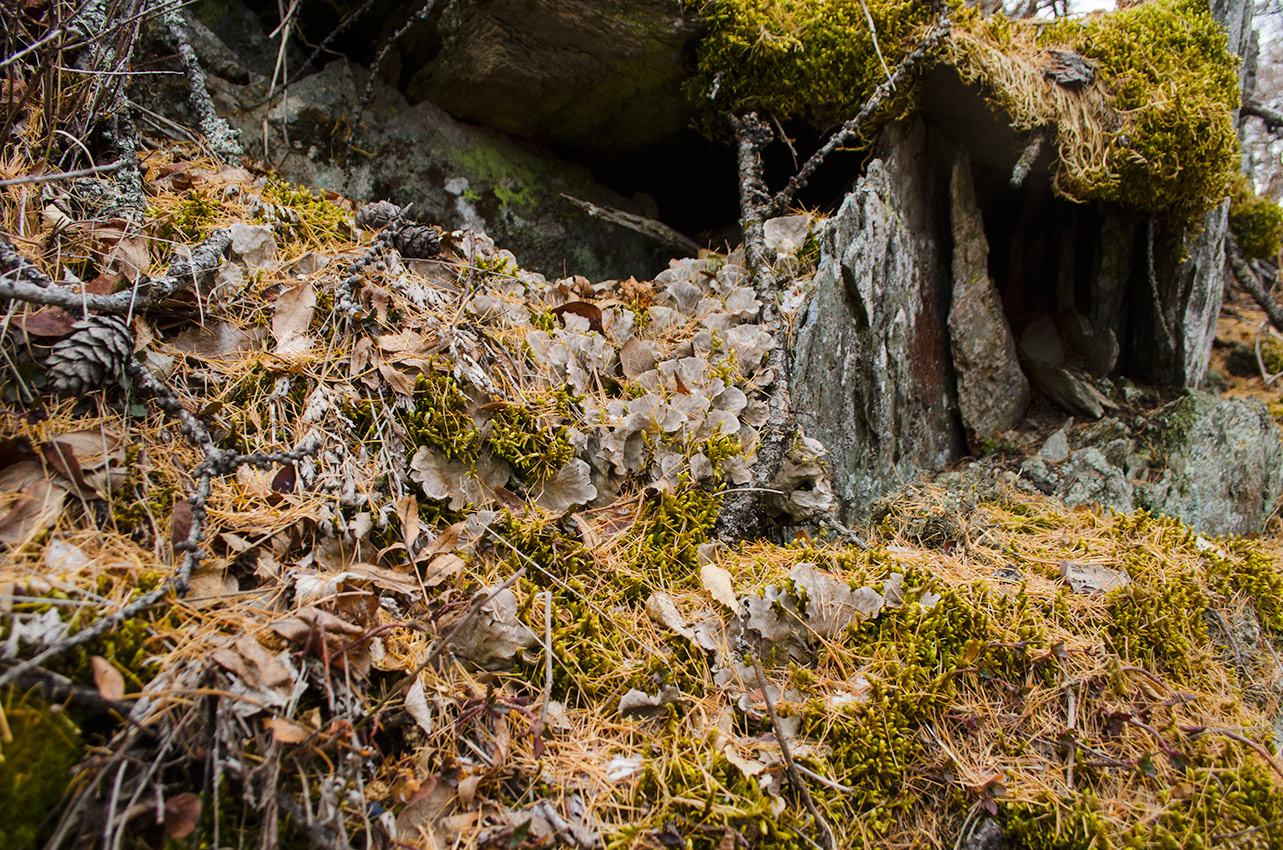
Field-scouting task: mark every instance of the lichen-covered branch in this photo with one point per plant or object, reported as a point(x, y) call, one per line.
point(854, 128)
point(1251, 281)
point(222, 139)
point(1272, 117)
point(739, 510)
point(20, 279)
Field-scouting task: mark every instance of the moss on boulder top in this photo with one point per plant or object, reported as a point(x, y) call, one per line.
point(1154, 130)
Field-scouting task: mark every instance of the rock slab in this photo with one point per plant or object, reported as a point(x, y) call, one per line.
point(993, 392)
point(871, 368)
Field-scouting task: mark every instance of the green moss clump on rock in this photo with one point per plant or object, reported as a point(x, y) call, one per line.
point(800, 58)
point(1174, 81)
point(1255, 221)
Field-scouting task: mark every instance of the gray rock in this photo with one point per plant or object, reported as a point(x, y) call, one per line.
point(992, 391)
point(1224, 464)
point(1046, 362)
point(455, 174)
point(1085, 478)
point(589, 76)
point(1056, 447)
point(870, 361)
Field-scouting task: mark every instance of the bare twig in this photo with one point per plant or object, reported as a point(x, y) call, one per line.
point(368, 95)
point(1249, 280)
point(787, 754)
point(20, 279)
point(1272, 117)
point(63, 175)
point(647, 227)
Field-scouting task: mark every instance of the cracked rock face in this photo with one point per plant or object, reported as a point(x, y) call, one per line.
point(871, 354)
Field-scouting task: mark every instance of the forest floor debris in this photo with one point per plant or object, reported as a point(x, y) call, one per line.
point(488, 612)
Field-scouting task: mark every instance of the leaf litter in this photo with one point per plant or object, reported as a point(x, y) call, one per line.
point(489, 611)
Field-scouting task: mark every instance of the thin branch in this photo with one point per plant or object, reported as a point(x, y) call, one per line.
point(802, 790)
point(19, 278)
point(1249, 280)
point(1272, 117)
point(853, 129)
point(222, 139)
point(63, 175)
point(368, 95)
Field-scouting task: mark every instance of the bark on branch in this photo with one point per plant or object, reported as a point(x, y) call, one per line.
point(1272, 117)
point(1251, 281)
point(739, 514)
point(19, 278)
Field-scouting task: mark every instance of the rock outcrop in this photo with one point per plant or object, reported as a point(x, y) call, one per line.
point(455, 174)
point(575, 74)
point(1215, 464)
point(872, 378)
point(992, 390)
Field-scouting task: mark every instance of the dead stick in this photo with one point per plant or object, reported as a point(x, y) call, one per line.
point(1251, 281)
point(20, 279)
point(830, 840)
point(853, 129)
point(1272, 117)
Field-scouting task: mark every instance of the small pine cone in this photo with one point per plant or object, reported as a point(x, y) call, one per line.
point(417, 241)
point(377, 215)
point(93, 355)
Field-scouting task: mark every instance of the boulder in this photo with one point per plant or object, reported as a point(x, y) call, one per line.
point(455, 174)
point(1215, 464)
point(1223, 464)
point(581, 75)
point(871, 373)
point(992, 391)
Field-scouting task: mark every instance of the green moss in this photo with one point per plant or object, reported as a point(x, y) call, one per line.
point(1157, 622)
point(803, 59)
point(1174, 82)
point(35, 767)
point(692, 793)
point(536, 451)
point(1255, 221)
point(673, 524)
point(193, 219)
point(301, 214)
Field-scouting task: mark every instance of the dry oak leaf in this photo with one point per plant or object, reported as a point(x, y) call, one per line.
point(291, 317)
point(29, 501)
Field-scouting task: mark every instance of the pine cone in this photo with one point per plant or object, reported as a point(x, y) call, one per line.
point(417, 241)
point(377, 215)
point(94, 354)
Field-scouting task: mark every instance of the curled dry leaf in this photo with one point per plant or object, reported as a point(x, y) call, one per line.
point(182, 815)
point(110, 684)
point(591, 312)
point(717, 582)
